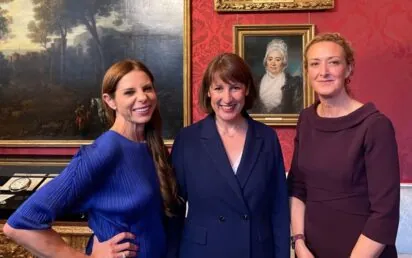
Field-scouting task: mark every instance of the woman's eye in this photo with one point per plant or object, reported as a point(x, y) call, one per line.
point(148, 89)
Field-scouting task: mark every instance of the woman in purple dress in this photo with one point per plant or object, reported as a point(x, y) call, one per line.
point(344, 180)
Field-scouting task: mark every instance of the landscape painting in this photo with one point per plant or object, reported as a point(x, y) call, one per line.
point(54, 53)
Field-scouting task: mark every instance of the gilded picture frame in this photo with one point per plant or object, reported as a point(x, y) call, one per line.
point(272, 5)
point(275, 56)
point(50, 79)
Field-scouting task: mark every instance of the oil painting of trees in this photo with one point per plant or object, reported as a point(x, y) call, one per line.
point(53, 55)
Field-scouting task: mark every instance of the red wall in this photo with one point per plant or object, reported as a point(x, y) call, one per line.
point(381, 34)
point(380, 31)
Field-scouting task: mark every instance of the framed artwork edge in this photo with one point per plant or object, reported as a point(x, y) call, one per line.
point(307, 31)
point(272, 5)
point(186, 97)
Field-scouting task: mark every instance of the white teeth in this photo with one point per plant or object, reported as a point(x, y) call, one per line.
point(228, 107)
point(142, 109)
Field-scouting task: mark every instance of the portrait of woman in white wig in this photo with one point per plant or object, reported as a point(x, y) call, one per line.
point(278, 91)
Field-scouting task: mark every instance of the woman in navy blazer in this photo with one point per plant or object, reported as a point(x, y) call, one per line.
point(230, 172)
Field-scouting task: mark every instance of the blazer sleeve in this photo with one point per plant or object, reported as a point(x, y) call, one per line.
point(296, 183)
point(174, 226)
point(382, 170)
point(280, 214)
point(67, 192)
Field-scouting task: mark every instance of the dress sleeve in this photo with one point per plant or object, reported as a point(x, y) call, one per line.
point(383, 176)
point(280, 214)
point(68, 192)
point(296, 183)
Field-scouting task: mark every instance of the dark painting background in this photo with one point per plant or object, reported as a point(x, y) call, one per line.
point(255, 50)
point(53, 55)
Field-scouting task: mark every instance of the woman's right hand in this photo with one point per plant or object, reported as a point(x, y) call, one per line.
point(302, 251)
point(113, 249)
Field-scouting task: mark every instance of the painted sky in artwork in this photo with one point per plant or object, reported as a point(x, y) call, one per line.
point(137, 12)
point(22, 13)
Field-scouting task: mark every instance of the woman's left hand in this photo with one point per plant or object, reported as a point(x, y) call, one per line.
point(113, 249)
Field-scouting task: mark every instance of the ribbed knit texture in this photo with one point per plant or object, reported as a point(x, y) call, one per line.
point(114, 181)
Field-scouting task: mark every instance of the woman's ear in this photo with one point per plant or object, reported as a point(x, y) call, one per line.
point(348, 71)
point(109, 101)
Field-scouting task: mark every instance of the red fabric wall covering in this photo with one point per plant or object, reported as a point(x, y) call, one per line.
point(380, 31)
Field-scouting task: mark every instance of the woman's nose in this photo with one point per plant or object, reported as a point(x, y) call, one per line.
point(324, 70)
point(227, 96)
point(142, 97)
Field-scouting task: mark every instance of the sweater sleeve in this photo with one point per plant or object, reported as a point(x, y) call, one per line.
point(382, 168)
point(296, 183)
point(68, 192)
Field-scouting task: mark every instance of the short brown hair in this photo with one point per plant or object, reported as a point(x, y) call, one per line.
point(341, 41)
point(230, 68)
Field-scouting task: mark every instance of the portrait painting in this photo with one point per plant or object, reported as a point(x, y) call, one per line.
point(275, 56)
point(53, 55)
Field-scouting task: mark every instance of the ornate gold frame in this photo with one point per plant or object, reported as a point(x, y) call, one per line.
point(186, 97)
point(307, 32)
point(271, 5)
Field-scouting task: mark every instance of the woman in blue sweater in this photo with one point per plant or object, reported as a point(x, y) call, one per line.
point(121, 181)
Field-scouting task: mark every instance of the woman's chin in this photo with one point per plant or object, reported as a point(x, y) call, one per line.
point(228, 116)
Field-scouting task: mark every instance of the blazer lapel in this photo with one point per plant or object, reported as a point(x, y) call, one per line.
point(213, 144)
point(250, 154)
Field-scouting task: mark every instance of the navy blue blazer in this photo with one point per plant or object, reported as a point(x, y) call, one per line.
point(241, 216)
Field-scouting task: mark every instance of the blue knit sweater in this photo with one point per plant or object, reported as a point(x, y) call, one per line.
point(113, 181)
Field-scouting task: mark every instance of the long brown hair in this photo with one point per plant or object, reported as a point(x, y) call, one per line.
point(152, 132)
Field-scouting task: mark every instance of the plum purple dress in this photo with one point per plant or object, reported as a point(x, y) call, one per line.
point(346, 171)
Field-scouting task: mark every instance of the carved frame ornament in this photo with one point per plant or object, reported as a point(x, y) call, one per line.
point(271, 5)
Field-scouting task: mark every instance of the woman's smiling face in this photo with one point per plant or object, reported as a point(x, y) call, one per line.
point(327, 68)
point(227, 99)
point(134, 99)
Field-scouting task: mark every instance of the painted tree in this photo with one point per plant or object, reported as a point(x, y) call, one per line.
point(39, 33)
point(51, 18)
point(87, 11)
point(5, 20)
